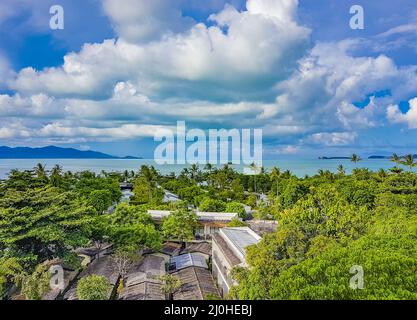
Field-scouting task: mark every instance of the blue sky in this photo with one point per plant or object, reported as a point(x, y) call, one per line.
point(121, 70)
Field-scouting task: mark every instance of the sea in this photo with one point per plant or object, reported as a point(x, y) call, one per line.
point(299, 167)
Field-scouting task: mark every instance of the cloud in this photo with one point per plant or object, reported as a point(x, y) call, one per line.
point(141, 21)
point(253, 68)
point(243, 62)
point(332, 139)
point(395, 115)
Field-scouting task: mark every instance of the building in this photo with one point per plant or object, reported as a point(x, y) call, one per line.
point(196, 280)
point(101, 266)
point(170, 197)
point(196, 284)
point(201, 247)
point(262, 227)
point(142, 282)
point(229, 251)
point(188, 260)
point(210, 222)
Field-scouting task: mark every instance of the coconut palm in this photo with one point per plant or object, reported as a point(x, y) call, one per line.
point(208, 167)
point(396, 170)
point(255, 170)
point(341, 170)
point(40, 171)
point(56, 176)
point(409, 161)
point(355, 158)
point(395, 158)
point(274, 176)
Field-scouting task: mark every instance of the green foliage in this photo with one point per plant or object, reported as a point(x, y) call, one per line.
point(389, 265)
point(100, 200)
point(212, 296)
point(93, 287)
point(9, 268)
point(170, 284)
point(324, 235)
point(212, 205)
point(45, 222)
point(180, 225)
point(236, 207)
point(34, 286)
point(129, 214)
point(190, 194)
point(237, 223)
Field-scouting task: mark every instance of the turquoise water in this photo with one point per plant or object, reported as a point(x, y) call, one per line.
point(300, 167)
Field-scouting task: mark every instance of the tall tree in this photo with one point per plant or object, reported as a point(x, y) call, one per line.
point(409, 161)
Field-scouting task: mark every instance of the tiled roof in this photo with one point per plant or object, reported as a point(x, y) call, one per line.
point(197, 283)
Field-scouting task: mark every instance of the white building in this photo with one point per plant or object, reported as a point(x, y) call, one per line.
point(210, 222)
point(228, 252)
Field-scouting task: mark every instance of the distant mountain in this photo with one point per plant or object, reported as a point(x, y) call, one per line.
point(53, 152)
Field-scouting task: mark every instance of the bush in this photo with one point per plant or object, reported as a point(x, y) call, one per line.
point(211, 205)
point(93, 287)
point(236, 207)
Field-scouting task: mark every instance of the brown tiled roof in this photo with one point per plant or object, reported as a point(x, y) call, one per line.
point(262, 227)
point(142, 281)
point(197, 283)
point(202, 247)
point(171, 248)
point(228, 253)
point(102, 267)
point(139, 286)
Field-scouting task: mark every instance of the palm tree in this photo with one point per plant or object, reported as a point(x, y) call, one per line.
point(208, 167)
point(255, 169)
point(274, 176)
point(40, 171)
point(395, 158)
point(396, 170)
point(194, 171)
point(56, 177)
point(355, 158)
point(409, 161)
point(341, 170)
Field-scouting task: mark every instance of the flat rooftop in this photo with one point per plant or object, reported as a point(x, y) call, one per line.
point(240, 238)
point(201, 216)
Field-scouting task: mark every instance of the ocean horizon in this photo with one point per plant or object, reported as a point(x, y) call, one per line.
point(300, 167)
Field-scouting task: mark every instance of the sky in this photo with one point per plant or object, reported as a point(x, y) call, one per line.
point(121, 70)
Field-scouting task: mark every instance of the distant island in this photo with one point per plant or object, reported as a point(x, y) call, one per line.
point(52, 152)
point(370, 157)
point(334, 158)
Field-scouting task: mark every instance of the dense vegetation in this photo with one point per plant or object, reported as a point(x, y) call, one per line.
point(328, 223)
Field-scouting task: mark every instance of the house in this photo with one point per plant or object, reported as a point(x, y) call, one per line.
point(142, 282)
point(228, 252)
point(126, 195)
point(262, 227)
point(171, 248)
point(209, 222)
point(200, 247)
point(197, 284)
point(188, 260)
point(170, 197)
point(101, 266)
